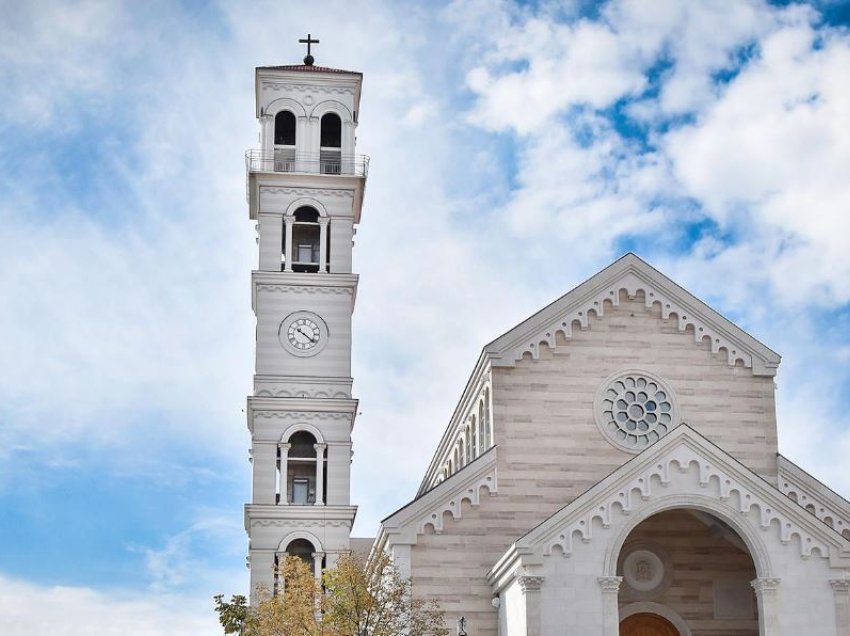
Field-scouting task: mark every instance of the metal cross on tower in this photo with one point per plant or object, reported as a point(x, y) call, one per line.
point(308, 59)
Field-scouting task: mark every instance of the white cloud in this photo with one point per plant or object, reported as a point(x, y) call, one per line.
point(35, 610)
point(148, 309)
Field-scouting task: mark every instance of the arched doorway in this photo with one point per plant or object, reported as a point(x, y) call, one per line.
point(683, 568)
point(646, 624)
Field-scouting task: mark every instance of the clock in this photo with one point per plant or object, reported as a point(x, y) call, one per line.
point(303, 333)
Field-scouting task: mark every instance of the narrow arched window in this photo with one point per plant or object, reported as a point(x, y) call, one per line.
point(482, 425)
point(473, 440)
point(461, 454)
point(488, 425)
point(331, 134)
point(301, 475)
point(284, 142)
point(330, 153)
point(284, 129)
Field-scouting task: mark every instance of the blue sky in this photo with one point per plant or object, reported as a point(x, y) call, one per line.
point(516, 149)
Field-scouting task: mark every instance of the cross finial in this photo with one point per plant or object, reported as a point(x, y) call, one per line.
point(308, 59)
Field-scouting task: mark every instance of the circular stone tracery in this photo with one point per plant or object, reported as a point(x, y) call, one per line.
point(634, 410)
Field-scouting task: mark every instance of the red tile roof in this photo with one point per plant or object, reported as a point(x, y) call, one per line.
point(309, 69)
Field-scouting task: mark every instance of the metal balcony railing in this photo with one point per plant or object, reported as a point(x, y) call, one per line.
point(325, 162)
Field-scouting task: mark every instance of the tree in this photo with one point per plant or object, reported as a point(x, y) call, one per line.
point(353, 599)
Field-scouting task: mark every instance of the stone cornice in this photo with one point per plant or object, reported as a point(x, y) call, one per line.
point(407, 523)
point(308, 181)
point(478, 379)
point(631, 274)
point(301, 283)
point(300, 409)
point(812, 495)
point(271, 515)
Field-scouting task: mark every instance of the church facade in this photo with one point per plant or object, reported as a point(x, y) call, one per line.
point(612, 466)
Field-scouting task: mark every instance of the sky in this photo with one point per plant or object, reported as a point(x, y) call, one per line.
point(516, 149)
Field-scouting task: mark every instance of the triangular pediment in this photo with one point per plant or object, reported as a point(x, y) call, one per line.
point(686, 462)
point(631, 274)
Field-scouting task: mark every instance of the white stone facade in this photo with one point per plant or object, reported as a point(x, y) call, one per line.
point(305, 192)
point(534, 537)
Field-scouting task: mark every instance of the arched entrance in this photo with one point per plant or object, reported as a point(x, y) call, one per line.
point(646, 624)
point(682, 568)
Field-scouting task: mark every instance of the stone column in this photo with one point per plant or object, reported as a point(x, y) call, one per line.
point(610, 611)
point(287, 247)
point(768, 605)
point(841, 590)
point(323, 243)
point(283, 451)
point(267, 142)
point(320, 473)
point(530, 586)
point(317, 564)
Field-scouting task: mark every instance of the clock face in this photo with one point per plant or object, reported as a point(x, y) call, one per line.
point(303, 333)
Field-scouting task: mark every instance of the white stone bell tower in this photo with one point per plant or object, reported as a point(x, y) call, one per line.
point(305, 192)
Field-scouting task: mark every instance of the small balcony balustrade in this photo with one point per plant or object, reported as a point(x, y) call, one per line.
point(287, 160)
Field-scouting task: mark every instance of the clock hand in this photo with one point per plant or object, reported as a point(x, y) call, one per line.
point(309, 337)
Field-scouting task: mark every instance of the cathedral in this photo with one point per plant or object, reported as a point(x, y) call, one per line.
point(612, 466)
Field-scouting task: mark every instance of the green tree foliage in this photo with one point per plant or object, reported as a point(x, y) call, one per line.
point(352, 600)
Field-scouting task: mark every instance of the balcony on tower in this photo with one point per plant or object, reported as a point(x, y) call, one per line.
point(286, 159)
point(308, 118)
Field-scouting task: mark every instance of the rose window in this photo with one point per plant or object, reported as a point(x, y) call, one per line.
point(634, 410)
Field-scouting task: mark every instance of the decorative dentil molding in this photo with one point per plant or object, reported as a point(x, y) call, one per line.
point(298, 416)
point(291, 523)
point(324, 89)
point(652, 295)
point(814, 502)
point(714, 481)
point(453, 502)
point(313, 193)
point(305, 289)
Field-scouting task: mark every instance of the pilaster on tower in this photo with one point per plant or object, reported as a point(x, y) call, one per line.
point(305, 191)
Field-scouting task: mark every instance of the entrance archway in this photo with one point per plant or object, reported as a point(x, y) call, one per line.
point(692, 564)
point(646, 624)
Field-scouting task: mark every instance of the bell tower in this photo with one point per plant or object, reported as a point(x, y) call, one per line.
point(305, 193)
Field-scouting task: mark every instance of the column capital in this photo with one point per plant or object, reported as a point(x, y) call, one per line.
point(609, 583)
point(528, 582)
point(320, 447)
point(318, 555)
point(288, 219)
point(765, 585)
point(840, 586)
point(284, 445)
point(324, 220)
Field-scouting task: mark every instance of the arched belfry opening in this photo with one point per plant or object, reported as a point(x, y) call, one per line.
point(686, 572)
point(303, 549)
point(302, 471)
point(284, 141)
point(306, 241)
point(330, 154)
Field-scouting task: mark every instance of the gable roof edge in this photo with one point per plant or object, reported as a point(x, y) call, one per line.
point(631, 273)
